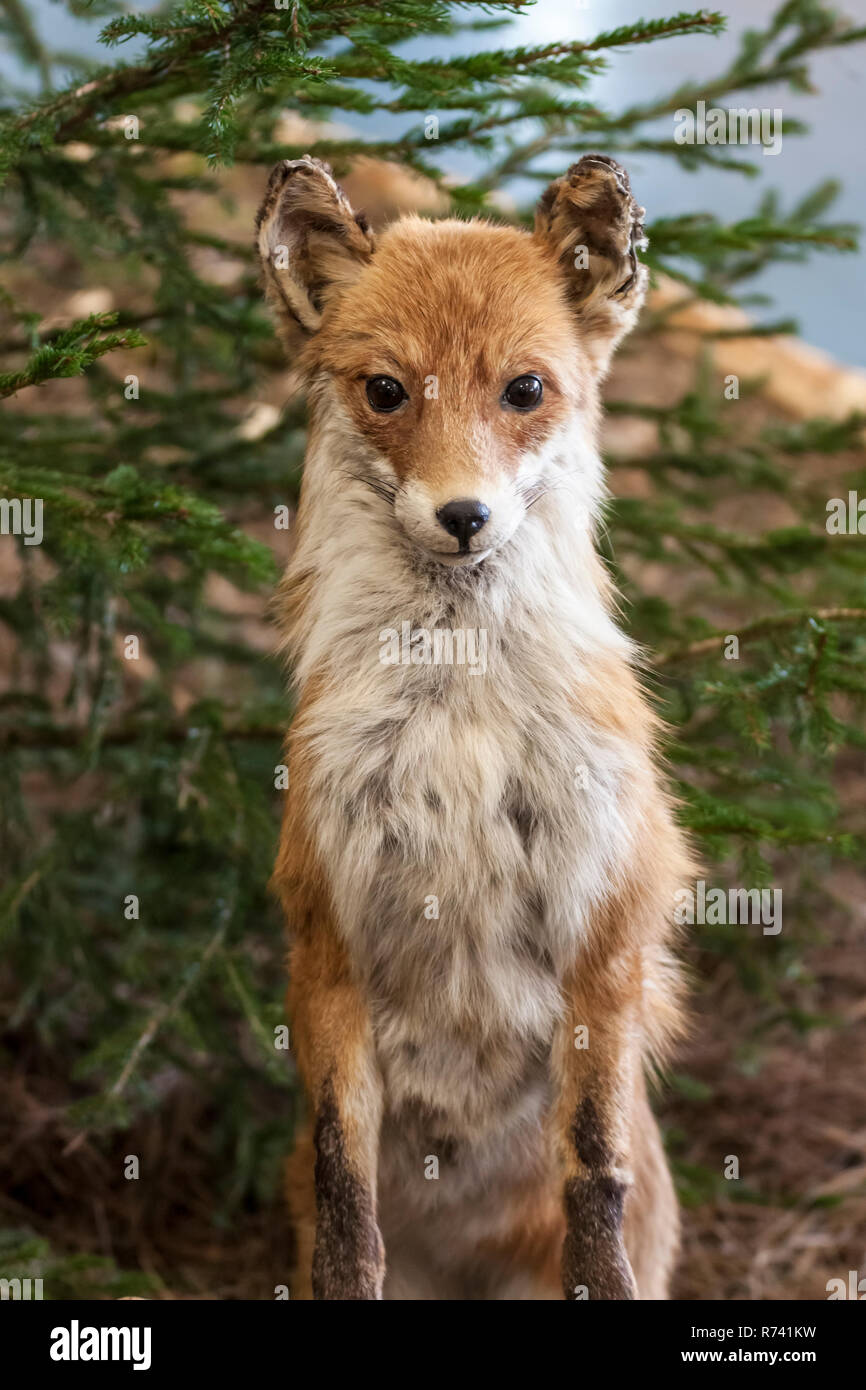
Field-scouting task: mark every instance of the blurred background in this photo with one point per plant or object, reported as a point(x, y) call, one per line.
point(830, 301)
point(146, 401)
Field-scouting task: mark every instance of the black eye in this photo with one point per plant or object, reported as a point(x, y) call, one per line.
point(385, 393)
point(523, 393)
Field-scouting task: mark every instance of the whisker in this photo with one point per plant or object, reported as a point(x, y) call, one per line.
point(382, 489)
point(533, 492)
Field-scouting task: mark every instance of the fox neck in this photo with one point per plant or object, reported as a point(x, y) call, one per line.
point(357, 574)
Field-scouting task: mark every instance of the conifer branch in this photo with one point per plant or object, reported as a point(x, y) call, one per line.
point(70, 352)
point(763, 627)
point(142, 777)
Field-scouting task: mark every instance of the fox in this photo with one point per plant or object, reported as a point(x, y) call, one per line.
point(477, 864)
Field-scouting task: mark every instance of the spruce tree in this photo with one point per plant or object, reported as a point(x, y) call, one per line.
point(141, 717)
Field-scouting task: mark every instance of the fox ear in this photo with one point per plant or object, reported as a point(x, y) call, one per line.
point(590, 222)
point(311, 244)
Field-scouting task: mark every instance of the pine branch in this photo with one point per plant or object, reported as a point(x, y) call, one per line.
point(70, 352)
point(763, 627)
point(165, 1012)
point(122, 778)
point(131, 734)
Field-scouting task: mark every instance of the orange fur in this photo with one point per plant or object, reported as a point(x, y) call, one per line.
point(452, 1038)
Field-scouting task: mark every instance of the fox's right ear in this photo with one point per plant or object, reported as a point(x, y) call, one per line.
point(590, 221)
point(311, 244)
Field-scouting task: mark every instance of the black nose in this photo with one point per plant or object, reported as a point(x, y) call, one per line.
point(463, 518)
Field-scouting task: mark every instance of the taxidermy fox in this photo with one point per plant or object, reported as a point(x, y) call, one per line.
point(478, 861)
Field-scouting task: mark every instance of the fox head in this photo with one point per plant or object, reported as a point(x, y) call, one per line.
point(461, 360)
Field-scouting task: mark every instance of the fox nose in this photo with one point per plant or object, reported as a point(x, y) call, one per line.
point(463, 518)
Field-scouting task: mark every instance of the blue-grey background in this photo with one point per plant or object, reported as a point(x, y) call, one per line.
point(828, 293)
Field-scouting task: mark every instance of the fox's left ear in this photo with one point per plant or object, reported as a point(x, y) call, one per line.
point(311, 245)
point(590, 222)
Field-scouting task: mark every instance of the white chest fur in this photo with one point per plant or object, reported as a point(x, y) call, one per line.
point(468, 820)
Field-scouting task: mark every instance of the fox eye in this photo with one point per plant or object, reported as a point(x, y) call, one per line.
point(523, 393)
point(385, 393)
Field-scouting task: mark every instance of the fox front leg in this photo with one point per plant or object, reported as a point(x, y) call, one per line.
point(348, 1256)
point(594, 1260)
point(595, 1086)
point(333, 1045)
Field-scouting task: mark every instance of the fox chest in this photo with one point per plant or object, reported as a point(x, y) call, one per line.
point(468, 836)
